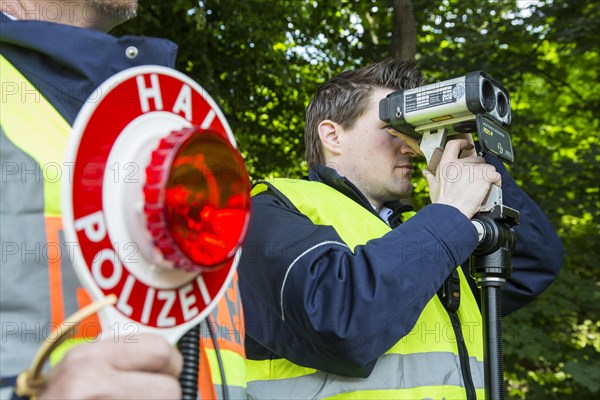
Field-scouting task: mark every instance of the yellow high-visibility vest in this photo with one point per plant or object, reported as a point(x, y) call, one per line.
point(423, 364)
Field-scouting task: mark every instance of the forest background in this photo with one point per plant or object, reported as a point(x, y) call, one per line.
point(263, 60)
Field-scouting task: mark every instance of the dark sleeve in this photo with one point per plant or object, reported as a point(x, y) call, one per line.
point(309, 298)
point(538, 253)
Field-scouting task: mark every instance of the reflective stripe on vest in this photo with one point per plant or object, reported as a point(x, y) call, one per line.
point(423, 364)
point(39, 286)
point(37, 135)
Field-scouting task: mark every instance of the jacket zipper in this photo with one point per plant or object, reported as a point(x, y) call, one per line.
point(463, 356)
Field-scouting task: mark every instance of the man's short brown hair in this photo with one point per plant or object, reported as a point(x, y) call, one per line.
point(343, 98)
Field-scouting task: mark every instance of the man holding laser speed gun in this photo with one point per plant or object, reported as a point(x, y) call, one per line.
point(348, 293)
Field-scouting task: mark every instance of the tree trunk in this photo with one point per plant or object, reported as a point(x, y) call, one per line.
point(404, 33)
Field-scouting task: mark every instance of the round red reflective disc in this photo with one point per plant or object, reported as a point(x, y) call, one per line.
point(197, 199)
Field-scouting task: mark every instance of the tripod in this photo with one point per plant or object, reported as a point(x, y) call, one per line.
point(490, 266)
point(490, 263)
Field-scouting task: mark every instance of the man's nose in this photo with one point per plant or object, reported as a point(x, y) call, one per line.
point(410, 149)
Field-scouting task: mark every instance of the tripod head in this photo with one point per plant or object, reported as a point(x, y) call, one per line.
point(490, 264)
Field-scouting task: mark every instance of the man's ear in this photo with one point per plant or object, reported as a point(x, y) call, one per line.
point(329, 133)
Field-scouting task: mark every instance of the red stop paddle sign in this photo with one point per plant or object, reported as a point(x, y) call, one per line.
point(157, 201)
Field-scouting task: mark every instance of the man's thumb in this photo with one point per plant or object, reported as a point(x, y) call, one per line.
point(429, 176)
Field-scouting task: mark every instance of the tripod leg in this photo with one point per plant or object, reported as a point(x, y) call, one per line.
point(493, 350)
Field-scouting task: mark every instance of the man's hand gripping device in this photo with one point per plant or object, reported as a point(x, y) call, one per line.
point(471, 103)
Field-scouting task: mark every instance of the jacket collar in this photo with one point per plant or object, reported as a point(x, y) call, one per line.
point(67, 63)
point(79, 49)
point(330, 177)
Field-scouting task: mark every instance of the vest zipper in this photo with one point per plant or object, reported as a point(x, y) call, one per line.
point(463, 356)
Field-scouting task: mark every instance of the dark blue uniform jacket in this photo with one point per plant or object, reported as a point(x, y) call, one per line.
point(342, 309)
point(66, 64)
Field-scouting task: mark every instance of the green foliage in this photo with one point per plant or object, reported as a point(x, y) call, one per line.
point(263, 60)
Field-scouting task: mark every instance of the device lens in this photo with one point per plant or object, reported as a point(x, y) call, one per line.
point(502, 105)
point(487, 95)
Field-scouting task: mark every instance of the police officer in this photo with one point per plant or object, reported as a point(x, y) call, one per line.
point(53, 55)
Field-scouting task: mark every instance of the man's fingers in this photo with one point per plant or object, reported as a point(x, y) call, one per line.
point(428, 176)
point(436, 157)
point(469, 149)
point(147, 385)
point(497, 180)
point(151, 353)
point(141, 366)
point(453, 149)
